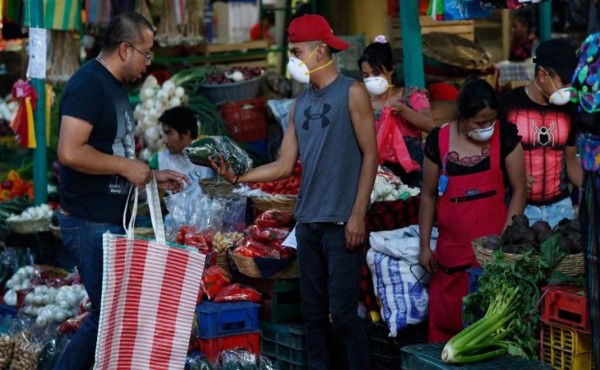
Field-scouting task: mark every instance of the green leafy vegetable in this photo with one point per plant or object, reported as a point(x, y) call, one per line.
point(511, 291)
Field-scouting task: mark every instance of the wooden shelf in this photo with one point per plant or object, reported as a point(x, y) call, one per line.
point(238, 47)
point(465, 29)
point(251, 53)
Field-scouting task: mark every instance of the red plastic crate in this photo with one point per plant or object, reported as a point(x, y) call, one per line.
point(212, 347)
point(567, 306)
point(246, 119)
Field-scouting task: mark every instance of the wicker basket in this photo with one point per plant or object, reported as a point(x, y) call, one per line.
point(247, 266)
point(55, 231)
point(283, 203)
point(222, 261)
point(216, 187)
point(570, 265)
point(29, 226)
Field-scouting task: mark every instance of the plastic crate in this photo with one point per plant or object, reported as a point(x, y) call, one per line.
point(213, 346)
point(281, 302)
point(565, 349)
point(568, 306)
point(428, 357)
point(284, 343)
point(281, 307)
point(474, 275)
point(246, 119)
point(219, 319)
point(242, 90)
point(385, 350)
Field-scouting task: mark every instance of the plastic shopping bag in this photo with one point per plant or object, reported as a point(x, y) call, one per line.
point(391, 145)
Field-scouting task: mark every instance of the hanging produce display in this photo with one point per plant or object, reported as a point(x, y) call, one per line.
point(168, 33)
point(192, 25)
point(64, 57)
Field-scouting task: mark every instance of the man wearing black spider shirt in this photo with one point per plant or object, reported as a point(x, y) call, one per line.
point(545, 120)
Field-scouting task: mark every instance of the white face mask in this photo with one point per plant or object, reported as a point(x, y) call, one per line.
point(299, 70)
point(376, 85)
point(560, 96)
point(482, 134)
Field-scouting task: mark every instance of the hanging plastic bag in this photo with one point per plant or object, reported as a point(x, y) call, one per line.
point(391, 145)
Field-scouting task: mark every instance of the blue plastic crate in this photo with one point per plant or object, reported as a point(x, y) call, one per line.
point(474, 274)
point(220, 319)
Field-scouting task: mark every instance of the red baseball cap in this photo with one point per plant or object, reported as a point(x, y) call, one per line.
point(313, 27)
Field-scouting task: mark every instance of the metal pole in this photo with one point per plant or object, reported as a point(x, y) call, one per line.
point(545, 20)
point(40, 166)
point(414, 74)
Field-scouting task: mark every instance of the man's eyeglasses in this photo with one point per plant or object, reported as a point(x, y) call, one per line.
point(147, 55)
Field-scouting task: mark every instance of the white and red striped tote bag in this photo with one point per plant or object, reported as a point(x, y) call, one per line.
point(149, 293)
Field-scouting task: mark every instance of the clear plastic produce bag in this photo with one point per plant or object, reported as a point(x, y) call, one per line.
point(201, 151)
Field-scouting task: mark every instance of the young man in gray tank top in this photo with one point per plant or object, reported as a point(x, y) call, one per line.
point(331, 130)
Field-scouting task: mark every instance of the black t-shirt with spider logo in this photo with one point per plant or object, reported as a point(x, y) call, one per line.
point(546, 131)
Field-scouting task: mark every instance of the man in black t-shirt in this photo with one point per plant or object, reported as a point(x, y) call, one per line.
point(98, 165)
point(545, 121)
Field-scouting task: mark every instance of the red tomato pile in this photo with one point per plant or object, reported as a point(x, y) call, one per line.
point(289, 186)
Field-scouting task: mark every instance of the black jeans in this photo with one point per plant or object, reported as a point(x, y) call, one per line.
point(330, 283)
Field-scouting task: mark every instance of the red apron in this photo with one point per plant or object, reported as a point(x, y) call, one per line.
point(471, 207)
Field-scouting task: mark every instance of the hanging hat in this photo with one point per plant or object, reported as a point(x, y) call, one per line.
point(586, 76)
point(313, 27)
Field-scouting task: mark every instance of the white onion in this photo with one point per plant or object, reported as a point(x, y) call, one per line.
point(169, 87)
point(150, 81)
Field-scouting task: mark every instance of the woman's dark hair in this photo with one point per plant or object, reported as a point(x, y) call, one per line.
point(125, 27)
point(474, 96)
point(379, 56)
point(180, 119)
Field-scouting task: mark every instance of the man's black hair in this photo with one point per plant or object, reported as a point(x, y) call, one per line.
point(181, 119)
point(125, 27)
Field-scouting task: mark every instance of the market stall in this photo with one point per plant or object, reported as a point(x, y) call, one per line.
point(247, 307)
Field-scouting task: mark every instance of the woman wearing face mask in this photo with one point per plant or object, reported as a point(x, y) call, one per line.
point(545, 120)
point(408, 107)
point(468, 163)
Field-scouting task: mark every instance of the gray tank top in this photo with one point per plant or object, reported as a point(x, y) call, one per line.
point(330, 155)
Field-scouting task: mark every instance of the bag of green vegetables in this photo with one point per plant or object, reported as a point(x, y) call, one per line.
point(201, 151)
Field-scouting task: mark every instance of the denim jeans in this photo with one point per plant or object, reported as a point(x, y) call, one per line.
point(83, 239)
point(551, 213)
point(330, 284)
